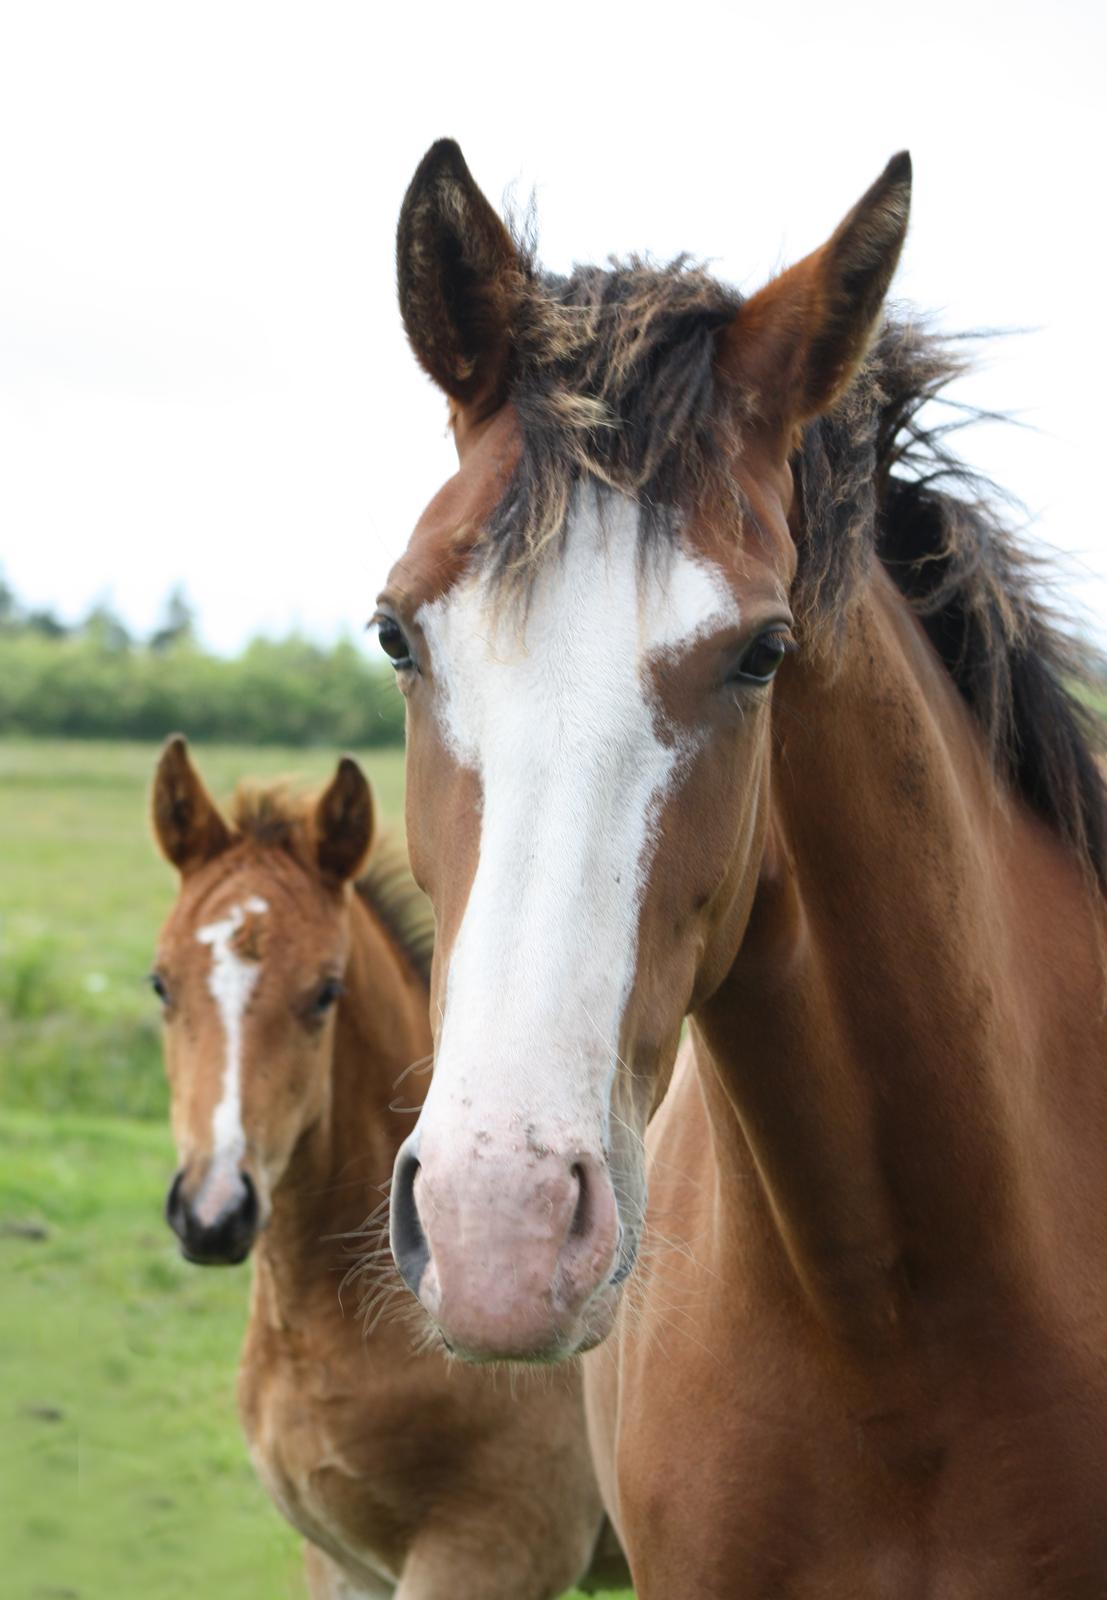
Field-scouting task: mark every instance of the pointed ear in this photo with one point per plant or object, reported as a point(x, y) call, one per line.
point(187, 823)
point(344, 822)
point(797, 344)
point(458, 275)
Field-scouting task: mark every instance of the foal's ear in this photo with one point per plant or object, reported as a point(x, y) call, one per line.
point(458, 275)
point(344, 822)
point(797, 344)
point(187, 823)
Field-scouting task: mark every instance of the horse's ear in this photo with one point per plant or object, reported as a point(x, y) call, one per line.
point(187, 823)
point(344, 822)
point(796, 345)
point(458, 274)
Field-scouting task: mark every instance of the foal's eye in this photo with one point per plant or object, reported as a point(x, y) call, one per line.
point(762, 658)
point(325, 996)
point(158, 984)
point(390, 637)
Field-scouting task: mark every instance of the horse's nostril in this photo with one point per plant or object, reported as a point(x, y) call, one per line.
point(174, 1207)
point(581, 1215)
point(248, 1209)
point(409, 1242)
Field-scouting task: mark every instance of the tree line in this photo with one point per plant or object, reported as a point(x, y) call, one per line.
point(96, 680)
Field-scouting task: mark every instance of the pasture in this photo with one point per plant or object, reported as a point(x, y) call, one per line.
point(122, 1471)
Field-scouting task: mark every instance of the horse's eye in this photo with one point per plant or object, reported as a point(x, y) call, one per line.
point(326, 995)
point(157, 983)
point(390, 636)
point(763, 657)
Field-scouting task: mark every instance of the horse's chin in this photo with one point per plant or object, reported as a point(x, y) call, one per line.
point(234, 1259)
point(589, 1328)
point(598, 1317)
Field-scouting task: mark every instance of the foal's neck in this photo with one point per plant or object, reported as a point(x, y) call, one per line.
point(873, 1066)
point(338, 1176)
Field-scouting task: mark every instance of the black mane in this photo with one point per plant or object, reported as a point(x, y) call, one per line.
point(876, 479)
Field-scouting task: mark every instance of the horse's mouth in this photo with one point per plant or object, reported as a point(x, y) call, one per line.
point(233, 1258)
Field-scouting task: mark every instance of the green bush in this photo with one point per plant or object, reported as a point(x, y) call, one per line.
point(288, 692)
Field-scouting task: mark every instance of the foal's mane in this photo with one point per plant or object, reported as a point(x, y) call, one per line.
point(615, 380)
point(387, 886)
point(276, 817)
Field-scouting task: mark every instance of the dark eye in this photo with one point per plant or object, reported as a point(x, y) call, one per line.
point(763, 657)
point(390, 636)
point(157, 983)
point(325, 996)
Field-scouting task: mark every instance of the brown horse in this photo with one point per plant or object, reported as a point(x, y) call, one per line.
point(729, 697)
point(293, 1007)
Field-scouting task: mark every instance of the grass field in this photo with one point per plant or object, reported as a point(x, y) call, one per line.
point(122, 1472)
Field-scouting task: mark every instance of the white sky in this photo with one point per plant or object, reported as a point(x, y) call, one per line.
point(202, 372)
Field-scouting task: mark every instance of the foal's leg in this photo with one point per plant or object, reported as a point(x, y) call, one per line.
point(327, 1581)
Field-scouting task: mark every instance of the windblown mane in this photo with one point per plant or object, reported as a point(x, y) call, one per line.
point(615, 380)
point(875, 478)
point(276, 817)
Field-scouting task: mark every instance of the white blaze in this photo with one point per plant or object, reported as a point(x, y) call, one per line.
point(231, 982)
point(553, 710)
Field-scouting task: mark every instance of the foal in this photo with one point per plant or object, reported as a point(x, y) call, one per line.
point(295, 998)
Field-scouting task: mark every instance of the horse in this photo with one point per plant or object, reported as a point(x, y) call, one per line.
point(294, 987)
point(731, 697)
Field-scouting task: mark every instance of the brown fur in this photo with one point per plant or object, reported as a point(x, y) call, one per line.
point(864, 1352)
point(275, 817)
point(406, 1473)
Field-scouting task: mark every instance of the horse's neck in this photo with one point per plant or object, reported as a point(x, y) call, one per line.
point(338, 1176)
point(877, 1042)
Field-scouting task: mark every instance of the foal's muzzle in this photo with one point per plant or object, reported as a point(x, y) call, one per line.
point(224, 1241)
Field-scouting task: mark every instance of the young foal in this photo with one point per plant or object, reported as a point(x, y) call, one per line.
point(867, 1352)
point(293, 1006)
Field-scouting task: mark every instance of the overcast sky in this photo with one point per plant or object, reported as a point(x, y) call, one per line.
point(202, 373)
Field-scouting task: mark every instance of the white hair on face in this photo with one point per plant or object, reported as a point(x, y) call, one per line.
point(231, 982)
point(557, 718)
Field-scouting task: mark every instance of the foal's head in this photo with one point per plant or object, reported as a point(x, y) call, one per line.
point(249, 971)
point(586, 626)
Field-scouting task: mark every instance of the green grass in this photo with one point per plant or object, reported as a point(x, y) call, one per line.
point(123, 1475)
point(82, 895)
point(122, 1472)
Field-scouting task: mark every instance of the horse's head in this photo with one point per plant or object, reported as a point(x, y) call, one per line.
point(249, 970)
point(586, 626)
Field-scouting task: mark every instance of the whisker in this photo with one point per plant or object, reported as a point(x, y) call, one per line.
point(424, 1064)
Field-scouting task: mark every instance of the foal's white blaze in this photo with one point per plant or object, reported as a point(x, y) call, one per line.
point(555, 714)
point(231, 982)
